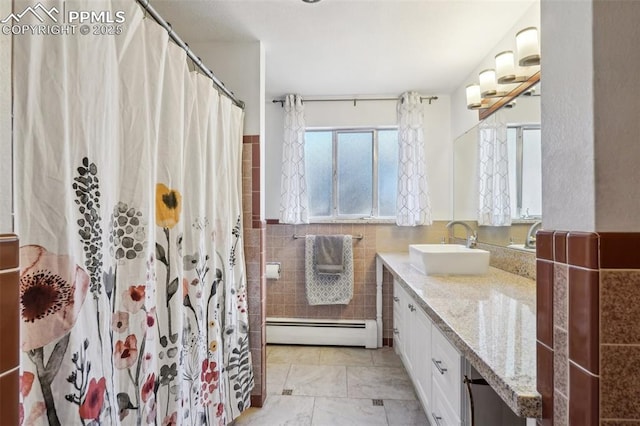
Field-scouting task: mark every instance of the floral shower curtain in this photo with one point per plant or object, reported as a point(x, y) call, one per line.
point(132, 289)
point(293, 186)
point(413, 206)
point(493, 180)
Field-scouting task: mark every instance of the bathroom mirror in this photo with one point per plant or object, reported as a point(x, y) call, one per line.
point(523, 133)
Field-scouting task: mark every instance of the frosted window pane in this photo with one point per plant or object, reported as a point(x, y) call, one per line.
point(531, 172)
point(387, 172)
point(319, 164)
point(355, 167)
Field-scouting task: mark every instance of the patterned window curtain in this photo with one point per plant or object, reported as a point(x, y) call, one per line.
point(413, 206)
point(293, 186)
point(493, 179)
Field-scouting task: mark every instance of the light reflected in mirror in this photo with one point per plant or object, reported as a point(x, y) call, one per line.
point(523, 132)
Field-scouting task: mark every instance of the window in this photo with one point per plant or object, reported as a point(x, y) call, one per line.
point(351, 174)
point(525, 178)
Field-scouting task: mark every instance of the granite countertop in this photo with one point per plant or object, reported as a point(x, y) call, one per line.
point(490, 319)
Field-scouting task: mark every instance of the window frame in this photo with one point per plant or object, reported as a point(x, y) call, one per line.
point(335, 217)
point(519, 159)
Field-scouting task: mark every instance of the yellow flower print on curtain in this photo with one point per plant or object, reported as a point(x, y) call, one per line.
point(168, 206)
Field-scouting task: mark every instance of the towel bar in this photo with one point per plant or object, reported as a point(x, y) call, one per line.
point(355, 237)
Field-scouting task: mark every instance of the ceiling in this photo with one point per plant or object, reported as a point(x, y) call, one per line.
point(354, 47)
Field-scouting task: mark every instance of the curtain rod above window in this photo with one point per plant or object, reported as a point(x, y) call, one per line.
point(354, 100)
point(196, 60)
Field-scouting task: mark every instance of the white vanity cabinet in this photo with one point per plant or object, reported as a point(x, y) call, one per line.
point(412, 341)
point(434, 365)
point(446, 373)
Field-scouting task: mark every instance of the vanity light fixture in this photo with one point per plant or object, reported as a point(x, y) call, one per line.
point(474, 100)
point(310, 1)
point(505, 68)
point(507, 71)
point(488, 83)
point(528, 47)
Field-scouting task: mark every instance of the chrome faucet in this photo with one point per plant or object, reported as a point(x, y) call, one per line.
point(530, 241)
point(472, 236)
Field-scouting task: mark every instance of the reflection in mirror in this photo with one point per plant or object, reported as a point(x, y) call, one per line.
point(523, 132)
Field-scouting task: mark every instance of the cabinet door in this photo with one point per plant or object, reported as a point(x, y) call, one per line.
point(408, 307)
point(421, 356)
point(446, 370)
point(441, 413)
point(398, 320)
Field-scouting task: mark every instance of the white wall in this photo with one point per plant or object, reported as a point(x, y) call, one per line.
point(463, 119)
point(568, 177)
point(590, 116)
point(240, 66)
point(6, 225)
point(370, 113)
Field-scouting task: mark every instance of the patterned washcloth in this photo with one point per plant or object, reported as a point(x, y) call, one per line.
point(328, 289)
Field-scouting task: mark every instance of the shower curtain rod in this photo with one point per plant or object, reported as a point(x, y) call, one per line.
point(354, 100)
point(196, 60)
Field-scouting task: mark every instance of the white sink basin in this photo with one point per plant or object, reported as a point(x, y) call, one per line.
point(448, 259)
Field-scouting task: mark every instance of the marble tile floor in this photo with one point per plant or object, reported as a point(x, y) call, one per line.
point(335, 386)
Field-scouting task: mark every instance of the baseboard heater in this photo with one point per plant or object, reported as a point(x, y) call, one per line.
point(298, 331)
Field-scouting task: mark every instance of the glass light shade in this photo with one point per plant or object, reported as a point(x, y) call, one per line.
point(505, 67)
point(474, 101)
point(488, 84)
point(528, 47)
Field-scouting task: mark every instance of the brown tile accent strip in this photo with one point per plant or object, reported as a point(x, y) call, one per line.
point(620, 382)
point(560, 410)
point(9, 323)
point(583, 397)
point(619, 307)
point(560, 362)
point(560, 295)
point(9, 251)
point(582, 249)
point(544, 302)
point(9, 392)
point(583, 318)
point(560, 246)
point(544, 374)
point(544, 245)
point(619, 250)
point(273, 221)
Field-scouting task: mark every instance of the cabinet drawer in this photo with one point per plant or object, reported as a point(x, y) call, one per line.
point(397, 333)
point(441, 412)
point(398, 294)
point(446, 369)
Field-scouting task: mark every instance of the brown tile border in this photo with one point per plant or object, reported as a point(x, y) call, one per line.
point(619, 250)
point(9, 251)
point(544, 245)
point(584, 336)
point(9, 393)
point(544, 375)
point(582, 249)
point(544, 302)
point(9, 320)
point(560, 246)
point(583, 397)
point(258, 400)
